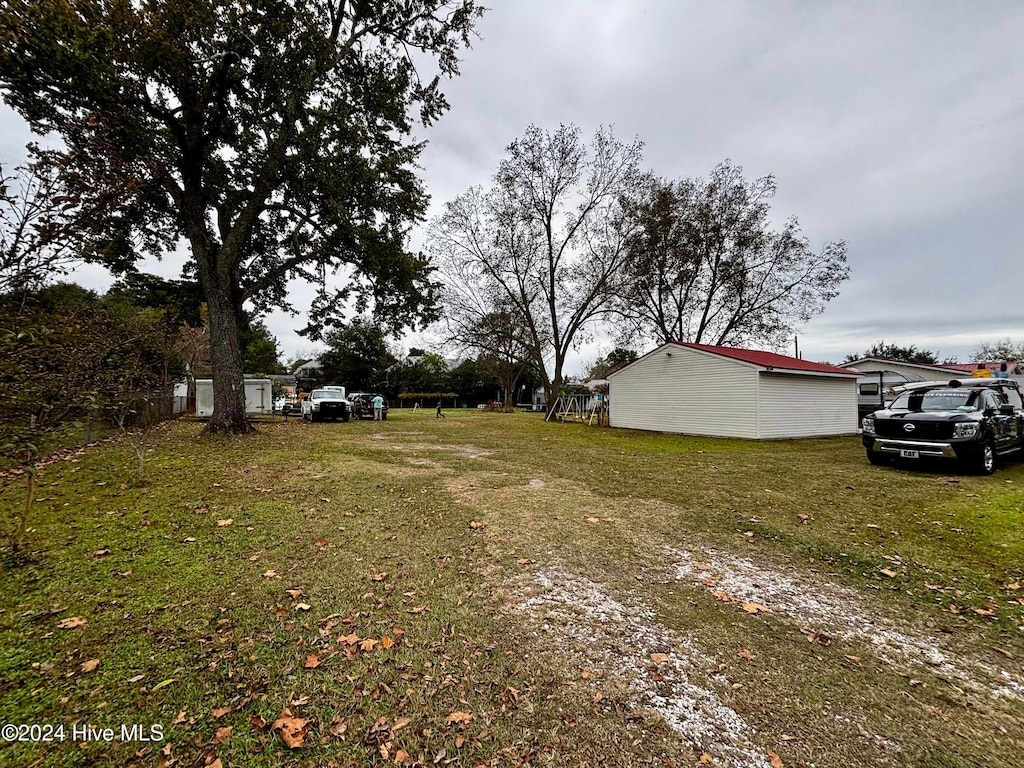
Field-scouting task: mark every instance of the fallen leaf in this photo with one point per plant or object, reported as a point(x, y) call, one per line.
point(216, 764)
point(706, 759)
point(219, 712)
point(419, 609)
point(164, 683)
point(386, 642)
point(854, 659)
point(321, 542)
point(223, 735)
point(593, 520)
point(367, 644)
point(477, 526)
point(1003, 651)
point(312, 661)
point(73, 623)
point(259, 722)
point(754, 608)
point(775, 760)
point(302, 606)
point(180, 718)
point(659, 658)
point(294, 593)
point(459, 741)
point(188, 539)
point(338, 727)
point(351, 639)
point(1014, 586)
point(459, 717)
point(887, 572)
point(400, 723)
point(225, 521)
point(90, 665)
point(743, 653)
point(379, 576)
point(270, 574)
point(292, 730)
point(101, 552)
point(136, 679)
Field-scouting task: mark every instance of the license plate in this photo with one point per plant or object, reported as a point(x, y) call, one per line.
point(906, 453)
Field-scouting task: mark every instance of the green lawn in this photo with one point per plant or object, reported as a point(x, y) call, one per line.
point(489, 589)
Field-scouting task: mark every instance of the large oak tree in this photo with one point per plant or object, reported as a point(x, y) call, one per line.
point(275, 137)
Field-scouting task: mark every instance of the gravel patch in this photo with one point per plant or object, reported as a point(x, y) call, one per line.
point(663, 670)
point(828, 609)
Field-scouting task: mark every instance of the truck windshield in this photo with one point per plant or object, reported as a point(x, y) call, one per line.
point(937, 400)
point(328, 394)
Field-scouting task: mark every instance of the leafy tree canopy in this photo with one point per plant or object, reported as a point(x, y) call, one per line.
point(274, 137)
point(909, 354)
point(357, 356)
point(1000, 351)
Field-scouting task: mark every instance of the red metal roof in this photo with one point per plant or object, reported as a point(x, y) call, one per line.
point(768, 359)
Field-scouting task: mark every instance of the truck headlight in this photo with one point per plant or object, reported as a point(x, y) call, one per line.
point(965, 429)
point(867, 425)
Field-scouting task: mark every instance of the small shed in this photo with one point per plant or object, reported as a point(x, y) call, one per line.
point(259, 398)
point(697, 389)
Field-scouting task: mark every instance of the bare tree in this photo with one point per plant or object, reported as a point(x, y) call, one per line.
point(705, 265)
point(545, 242)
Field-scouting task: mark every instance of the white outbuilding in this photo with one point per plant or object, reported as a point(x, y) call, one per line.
point(696, 389)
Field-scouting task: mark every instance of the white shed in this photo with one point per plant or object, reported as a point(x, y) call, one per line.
point(258, 397)
point(697, 389)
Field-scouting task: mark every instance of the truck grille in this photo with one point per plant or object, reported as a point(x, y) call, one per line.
point(923, 430)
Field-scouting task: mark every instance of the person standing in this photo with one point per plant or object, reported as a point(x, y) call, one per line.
point(1002, 372)
point(439, 414)
point(378, 407)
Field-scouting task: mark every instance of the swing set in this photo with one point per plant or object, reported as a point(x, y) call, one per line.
point(587, 409)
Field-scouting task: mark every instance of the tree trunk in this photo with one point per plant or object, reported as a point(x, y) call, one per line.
point(228, 384)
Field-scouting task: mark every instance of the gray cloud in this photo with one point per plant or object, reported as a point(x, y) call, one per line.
point(893, 126)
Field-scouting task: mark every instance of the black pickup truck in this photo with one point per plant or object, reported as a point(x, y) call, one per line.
point(973, 421)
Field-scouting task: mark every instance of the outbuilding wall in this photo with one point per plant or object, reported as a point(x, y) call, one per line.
point(685, 391)
point(793, 405)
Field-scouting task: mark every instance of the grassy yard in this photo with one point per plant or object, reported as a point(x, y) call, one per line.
point(493, 590)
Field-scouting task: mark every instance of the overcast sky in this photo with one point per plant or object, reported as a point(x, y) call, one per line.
point(894, 126)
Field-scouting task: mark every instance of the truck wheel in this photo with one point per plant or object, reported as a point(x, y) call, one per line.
point(345, 417)
point(985, 463)
point(876, 458)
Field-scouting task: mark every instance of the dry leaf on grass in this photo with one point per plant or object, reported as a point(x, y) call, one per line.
point(223, 735)
point(754, 608)
point(887, 572)
point(659, 658)
point(73, 623)
point(224, 522)
point(459, 717)
point(90, 665)
point(477, 526)
point(292, 730)
point(775, 760)
point(219, 712)
point(743, 653)
point(312, 661)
